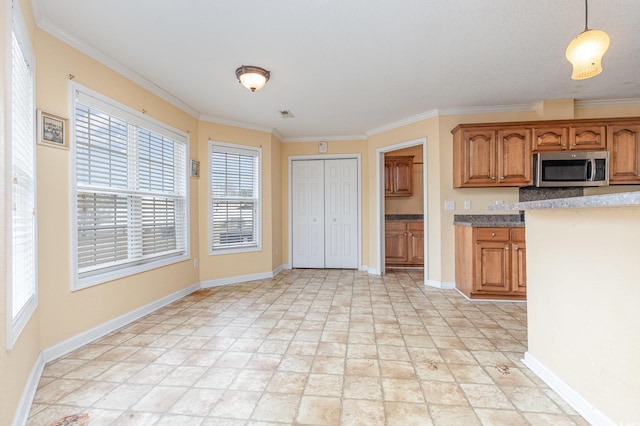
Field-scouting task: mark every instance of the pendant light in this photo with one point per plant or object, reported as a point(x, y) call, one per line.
point(586, 50)
point(253, 78)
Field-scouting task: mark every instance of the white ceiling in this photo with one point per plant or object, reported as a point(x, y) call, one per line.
point(345, 68)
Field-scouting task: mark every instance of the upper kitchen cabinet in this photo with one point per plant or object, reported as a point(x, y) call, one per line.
point(398, 176)
point(624, 153)
point(582, 137)
point(490, 157)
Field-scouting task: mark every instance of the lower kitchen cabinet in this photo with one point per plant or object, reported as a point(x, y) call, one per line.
point(491, 262)
point(404, 243)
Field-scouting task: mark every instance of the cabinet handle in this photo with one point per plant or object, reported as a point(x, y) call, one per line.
point(506, 248)
point(493, 234)
point(516, 248)
point(501, 177)
point(493, 178)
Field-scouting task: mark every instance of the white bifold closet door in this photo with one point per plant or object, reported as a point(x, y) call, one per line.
point(325, 213)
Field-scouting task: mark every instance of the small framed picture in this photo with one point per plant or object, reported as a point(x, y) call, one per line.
point(195, 168)
point(52, 130)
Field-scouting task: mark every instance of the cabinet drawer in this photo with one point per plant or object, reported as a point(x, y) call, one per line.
point(492, 234)
point(395, 227)
point(517, 235)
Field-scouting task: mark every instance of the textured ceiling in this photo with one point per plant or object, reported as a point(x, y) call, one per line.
point(348, 67)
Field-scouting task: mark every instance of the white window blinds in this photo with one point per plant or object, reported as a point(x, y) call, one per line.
point(234, 197)
point(23, 285)
point(131, 191)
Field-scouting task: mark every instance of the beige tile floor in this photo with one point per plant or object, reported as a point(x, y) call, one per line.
point(318, 347)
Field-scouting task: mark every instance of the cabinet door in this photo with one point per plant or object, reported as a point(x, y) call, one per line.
point(624, 158)
point(592, 138)
point(403, 177)
point(519, 268)
point(550, 138)
point(395, 243)
point(492, 267)
point(479, 154)
point(514, 157)
point(388, 177)
point(416, 243)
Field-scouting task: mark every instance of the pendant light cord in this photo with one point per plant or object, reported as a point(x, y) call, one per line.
point(586, 15)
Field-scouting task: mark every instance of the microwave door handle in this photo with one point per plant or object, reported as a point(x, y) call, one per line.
point(591, 170)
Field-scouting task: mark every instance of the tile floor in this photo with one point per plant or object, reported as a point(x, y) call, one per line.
point(318, 347)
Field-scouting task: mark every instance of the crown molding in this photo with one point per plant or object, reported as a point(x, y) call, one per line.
point(46, 25)
point(277, 134)
point(327, 138)
point(608, 103)
point(405, 121)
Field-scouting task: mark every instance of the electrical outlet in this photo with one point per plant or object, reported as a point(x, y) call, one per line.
point(195, 262)
point(449, 205)
point(467, 205)
point(499, 202)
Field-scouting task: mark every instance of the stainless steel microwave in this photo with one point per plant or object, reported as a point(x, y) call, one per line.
point(558, 169)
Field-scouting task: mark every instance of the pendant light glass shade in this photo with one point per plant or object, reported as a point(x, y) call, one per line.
point(585, 53)
point(253, 78)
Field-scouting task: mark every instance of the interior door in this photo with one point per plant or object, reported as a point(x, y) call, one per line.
point(308, 214)
point(341, 213)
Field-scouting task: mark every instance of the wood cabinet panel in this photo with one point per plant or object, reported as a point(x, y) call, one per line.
point(398, 176)
point(514, 157)
point(550, 138)
point(592, 138)
point(624, 153)
point(491, 262)
point(404, 243)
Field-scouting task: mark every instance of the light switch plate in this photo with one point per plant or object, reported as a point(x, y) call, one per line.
point(323, 147)
point(467, 205)
point(449, 205)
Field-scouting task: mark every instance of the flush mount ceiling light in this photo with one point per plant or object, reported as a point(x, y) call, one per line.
point(253, 78)
point(586, 50)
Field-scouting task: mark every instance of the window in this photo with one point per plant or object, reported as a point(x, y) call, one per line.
point(23, 287)
point(131, 198)
point(234, 208)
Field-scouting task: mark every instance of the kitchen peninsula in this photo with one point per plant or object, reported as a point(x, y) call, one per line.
point(583, 288)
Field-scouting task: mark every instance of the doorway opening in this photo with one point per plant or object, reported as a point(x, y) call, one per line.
point(408, 225)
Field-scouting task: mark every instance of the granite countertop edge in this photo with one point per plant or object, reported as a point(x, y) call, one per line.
point(489, 220)
point(404, 217)
point(605, 200)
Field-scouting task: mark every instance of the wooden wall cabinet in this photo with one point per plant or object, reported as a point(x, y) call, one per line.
point(501, 154)
point(404, 243)
point(624, 153)
point(587, 137)
point(489, 157)
point(491, 262)
point(398, 176)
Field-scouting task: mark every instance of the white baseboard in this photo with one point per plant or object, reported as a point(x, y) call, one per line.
point(573, 398)
point(374, 271)
point(89, 336)
point(241, 278)
point(445, 285)
point(28, 393)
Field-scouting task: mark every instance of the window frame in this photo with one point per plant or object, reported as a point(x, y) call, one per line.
point(230, 147)
point(15, 325)
point(133, 117)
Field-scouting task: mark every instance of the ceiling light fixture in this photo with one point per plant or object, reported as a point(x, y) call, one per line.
point(586, 50)
point(253, 78)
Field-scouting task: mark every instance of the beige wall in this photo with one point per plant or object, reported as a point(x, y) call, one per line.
point(216, 267)
point(583, 292)
point(93, 306)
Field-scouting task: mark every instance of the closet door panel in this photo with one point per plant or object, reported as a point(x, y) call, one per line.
point(341, 213)
point(308, 214)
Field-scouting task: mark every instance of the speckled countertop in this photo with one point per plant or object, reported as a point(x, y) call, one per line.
point(404, 217)
point(488, 220)
point(605, 200)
